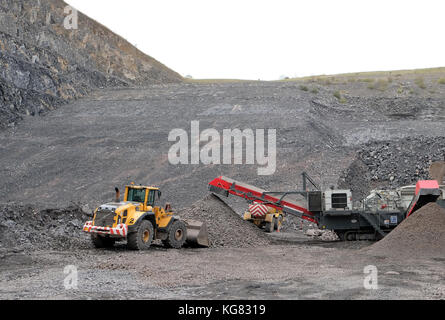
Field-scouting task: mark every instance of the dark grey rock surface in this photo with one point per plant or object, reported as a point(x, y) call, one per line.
point(392, 163)
point(82, 151)
point(44, 65)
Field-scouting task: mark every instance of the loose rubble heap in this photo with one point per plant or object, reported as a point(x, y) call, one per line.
point(391, 164)
point(226, 228)
point(421, 235)
point(294, 224)
point(324, 235)
point(24, 227)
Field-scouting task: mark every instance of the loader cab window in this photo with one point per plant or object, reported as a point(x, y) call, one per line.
point(151, 197)
point(136, 195)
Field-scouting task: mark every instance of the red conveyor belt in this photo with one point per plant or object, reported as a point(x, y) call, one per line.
point(252, 193)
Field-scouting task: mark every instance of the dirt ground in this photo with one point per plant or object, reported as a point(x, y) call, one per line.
point(293, 268)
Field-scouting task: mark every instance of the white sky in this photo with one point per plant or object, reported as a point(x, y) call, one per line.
point(255, 39)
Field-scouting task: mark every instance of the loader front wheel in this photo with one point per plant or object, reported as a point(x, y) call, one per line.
point(142, 238)
point(101, 242)
point(177, 235)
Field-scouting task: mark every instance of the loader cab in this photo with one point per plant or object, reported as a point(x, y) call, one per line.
point(146, 196)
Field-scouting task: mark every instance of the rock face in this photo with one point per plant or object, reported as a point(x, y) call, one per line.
point(391, 164)
point(43, 64)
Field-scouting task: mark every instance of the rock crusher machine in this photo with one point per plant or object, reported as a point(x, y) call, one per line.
point(375, 217)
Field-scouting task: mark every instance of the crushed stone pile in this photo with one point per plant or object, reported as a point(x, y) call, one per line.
point(24, 227)
point(225, 226)
point(391, 164)
point(421, 235)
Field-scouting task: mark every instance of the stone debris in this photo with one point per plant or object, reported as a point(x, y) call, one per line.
point(324, 235)
point(226, 228)
point(24, 227)
point(314, 232)
point(329, 235)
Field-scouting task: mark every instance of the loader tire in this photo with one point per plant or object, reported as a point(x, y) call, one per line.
point(177, 234)
point(102, 242)
point(142, 238)
point(270, 226)
point(278, 223)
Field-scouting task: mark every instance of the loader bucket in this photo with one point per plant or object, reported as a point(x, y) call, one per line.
point(197, 234)
point(437, 171)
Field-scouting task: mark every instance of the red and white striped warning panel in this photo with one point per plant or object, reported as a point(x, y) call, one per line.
point(120, 230)
point(258, 210)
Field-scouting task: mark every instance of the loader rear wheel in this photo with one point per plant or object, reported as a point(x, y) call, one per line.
point(142, 238)
point(270, 226)
point(277, 223)
point(102, 242)
point(177, 234)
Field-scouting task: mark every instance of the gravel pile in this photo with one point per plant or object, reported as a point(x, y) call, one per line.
point(25, 227)
point(226, 228)
point(421, 235)
point(392, 164)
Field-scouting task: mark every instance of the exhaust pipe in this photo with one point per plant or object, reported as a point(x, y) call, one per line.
point(118, 195)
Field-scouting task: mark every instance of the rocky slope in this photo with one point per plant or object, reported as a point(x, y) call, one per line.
point(391, 164)
point(42, 64)
point(80, 153)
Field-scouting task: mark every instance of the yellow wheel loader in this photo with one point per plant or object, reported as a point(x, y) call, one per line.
point(262, 216)
point(138, 220)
